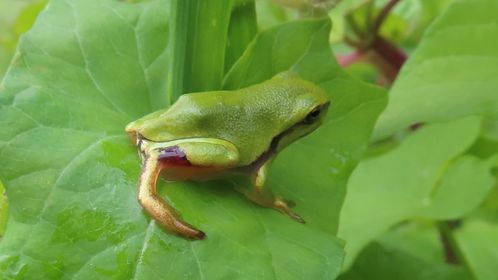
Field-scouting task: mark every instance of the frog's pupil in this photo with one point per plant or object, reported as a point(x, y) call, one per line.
point(313, 115)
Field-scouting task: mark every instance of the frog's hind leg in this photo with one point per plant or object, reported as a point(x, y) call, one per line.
point(181, 160)
point(157, 207)
point(264, 196)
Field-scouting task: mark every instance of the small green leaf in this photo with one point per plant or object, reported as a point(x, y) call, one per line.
point(271, 14)
point(464, 186)
point(452, 72)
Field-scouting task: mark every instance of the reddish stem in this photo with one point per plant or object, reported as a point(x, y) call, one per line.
point(348, 59)
point(451, 253)
point(384, 55)
point(389, 57)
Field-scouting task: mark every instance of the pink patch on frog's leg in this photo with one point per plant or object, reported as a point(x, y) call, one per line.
point(174, 156)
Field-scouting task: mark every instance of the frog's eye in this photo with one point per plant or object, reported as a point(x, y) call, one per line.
point(313, 115)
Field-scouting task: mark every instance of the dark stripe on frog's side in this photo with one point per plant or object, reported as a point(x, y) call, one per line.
point(273, 148)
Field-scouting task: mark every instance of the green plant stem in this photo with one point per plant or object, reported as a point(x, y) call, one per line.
point(383, 15)
point(243, 27)
point(199, 31)
point(452, 254)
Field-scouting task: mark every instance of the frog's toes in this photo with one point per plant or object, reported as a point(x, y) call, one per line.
point(283, 207)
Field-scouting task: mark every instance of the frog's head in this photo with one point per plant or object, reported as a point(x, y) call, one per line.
point(304, 110)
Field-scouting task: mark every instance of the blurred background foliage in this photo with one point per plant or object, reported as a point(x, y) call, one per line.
point(16, 17)
point(423, 204)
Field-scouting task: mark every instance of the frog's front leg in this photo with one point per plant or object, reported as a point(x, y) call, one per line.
point(265, 197)
point(201, 155)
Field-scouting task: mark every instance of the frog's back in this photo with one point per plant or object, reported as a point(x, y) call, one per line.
point(249, 118)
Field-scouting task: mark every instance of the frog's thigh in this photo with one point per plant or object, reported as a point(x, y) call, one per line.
point(209, 152)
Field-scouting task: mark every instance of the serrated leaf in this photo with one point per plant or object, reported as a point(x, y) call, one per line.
point(88, 68)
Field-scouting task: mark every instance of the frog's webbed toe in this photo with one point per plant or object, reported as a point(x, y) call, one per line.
point(265, 198)
point(284, 207)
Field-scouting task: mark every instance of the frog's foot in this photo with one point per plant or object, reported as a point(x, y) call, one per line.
point(284, 207)
point(163, 213)
point(167, 217)
point(265, 198)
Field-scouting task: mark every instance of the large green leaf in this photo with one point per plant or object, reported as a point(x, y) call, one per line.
point(422, 177)
point(452, 72)
point(90, 66)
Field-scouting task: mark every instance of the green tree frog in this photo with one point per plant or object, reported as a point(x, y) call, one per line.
point(206, 135)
